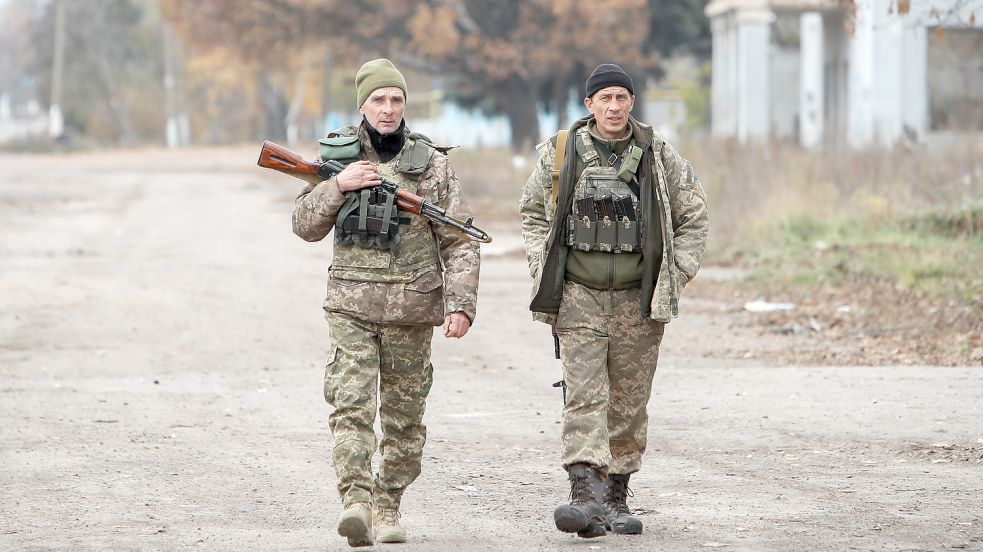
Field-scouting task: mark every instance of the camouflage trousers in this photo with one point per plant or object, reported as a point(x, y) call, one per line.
point(395, 360)
point(609, 356)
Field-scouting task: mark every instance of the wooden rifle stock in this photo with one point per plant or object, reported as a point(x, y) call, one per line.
point(276, 157)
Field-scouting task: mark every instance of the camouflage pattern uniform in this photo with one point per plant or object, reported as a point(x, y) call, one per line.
point(609, 343)
point(381, 309)
point(609, 356)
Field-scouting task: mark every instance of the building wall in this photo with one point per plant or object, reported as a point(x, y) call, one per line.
point(955, 80)
point(836, 70)
point(784, 78)
point(879, 85)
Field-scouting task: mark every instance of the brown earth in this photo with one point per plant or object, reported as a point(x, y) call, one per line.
point(162, 346)
point(867, 321)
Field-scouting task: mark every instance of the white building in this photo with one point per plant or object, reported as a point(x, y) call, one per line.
point(808, 70)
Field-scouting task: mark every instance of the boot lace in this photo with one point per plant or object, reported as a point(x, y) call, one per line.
point(580, 491)
point(389, 516)
point(617, 497)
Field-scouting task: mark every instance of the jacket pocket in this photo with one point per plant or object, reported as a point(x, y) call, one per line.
point(425, 283)
point(422, 301)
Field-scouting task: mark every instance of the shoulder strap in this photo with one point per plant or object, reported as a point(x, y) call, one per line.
point(423, 137)
point(561, 151)
point(585, 148)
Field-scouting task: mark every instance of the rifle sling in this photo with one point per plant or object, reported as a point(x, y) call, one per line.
point(561, 150)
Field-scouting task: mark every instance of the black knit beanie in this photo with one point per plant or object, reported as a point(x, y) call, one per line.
point(608, 74)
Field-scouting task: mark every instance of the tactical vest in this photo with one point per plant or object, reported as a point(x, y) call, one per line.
point(604, 216)
point(373, 243)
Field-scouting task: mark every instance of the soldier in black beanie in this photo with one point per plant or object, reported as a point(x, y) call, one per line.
point(615, 224)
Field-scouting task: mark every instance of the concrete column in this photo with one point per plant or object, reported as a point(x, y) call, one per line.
point(888, 72)
point(718, 76)
point(753, 43)
point(730, 88)
point(914, 86)
point(811, 82)
point(836, 90)
point(860, 122)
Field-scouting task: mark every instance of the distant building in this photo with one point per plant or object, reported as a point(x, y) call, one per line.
point(808, 70)
point(21, 116)
point(666, 111)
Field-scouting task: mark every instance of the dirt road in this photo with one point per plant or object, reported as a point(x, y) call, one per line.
point(161, 355)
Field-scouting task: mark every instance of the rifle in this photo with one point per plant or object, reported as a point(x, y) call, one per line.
point(562, 384)
point(276, 157)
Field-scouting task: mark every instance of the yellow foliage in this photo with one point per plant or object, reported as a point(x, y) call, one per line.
point(433, 31)
point(223, 100)
point(873, 207)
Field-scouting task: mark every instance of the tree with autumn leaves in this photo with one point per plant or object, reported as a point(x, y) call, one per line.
point(505, 53)
point(262, 68)
point(504, 56)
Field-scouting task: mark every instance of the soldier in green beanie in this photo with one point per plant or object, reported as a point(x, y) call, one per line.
point(393, 277)
point(376, 74)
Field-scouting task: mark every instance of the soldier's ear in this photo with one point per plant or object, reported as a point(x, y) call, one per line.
point(587, 103)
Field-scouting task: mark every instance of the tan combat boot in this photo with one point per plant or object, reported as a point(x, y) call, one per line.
point(356, 524)
point(385, 519)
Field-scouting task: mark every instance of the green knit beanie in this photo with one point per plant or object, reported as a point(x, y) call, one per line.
point(375, 74)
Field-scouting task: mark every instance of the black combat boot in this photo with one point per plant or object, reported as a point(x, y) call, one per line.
point(586, 515)
point(616, 499)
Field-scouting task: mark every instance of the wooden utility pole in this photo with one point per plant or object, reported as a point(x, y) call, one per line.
point(56, 121)
point(172, 131)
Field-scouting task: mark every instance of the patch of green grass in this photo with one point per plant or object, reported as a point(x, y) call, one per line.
point(965, 223)
point(938, 254)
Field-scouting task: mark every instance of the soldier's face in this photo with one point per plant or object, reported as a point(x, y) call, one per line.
point(384, 108)
point(610, 107)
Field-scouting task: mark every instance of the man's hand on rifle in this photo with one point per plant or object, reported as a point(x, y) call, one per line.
point(358, 175)
point(456, 324)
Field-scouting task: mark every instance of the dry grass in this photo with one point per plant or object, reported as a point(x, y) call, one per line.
point(753, 191)
point(895, 237)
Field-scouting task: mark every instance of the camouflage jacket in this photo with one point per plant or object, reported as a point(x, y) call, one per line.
point(387, 290)
point(684, 215)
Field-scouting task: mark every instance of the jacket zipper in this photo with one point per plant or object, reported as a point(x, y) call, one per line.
point(611, 273)
point(667, 245)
